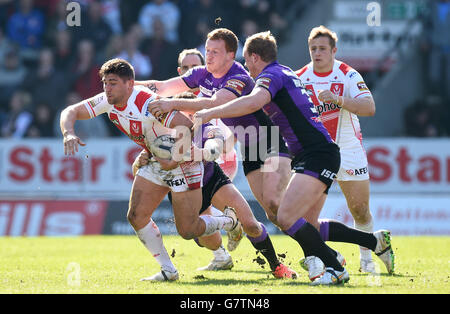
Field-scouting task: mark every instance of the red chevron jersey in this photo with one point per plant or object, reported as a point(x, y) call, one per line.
point(342, 80)
point(134, 120)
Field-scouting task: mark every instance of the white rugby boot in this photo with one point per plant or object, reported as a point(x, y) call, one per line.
point(314, 266)
point(384, 249)
point(235, 234)
point(218, 264)
point(332, 277)
point(163, 275)
point(314, 273)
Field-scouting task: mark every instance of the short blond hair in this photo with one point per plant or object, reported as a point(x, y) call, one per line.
point(322, 31)
point(264, 45)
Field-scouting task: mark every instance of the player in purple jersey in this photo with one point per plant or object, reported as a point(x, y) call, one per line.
point(280, 93)
point(221, 80)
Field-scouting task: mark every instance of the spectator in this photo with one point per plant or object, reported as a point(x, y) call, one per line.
point(26, 28)
point(42, 81)
point(439, 71)
point(162, 53)
point(141, 63)
point(12, 75)
point(42, 125)
point(5, 46)
point(111, 13)
point(167, 12)
point(422, 118)
point(85, 79)
point(93, 27)
point(114, 47)
point(63, 49)
point(19, 118)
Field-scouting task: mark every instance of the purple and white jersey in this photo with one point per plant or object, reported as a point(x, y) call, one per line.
point(238, 81)
point(291, 108)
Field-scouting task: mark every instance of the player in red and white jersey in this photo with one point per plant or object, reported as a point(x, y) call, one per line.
point(126, 108)
point(340, 96)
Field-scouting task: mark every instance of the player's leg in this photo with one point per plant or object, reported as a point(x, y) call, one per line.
point(144, 199)
point(228, 195)
point(222, 259)
point(276, 175)
point(190, 225)
point(357, 194)
point(303, 193)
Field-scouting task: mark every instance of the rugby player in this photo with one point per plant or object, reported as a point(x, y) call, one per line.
point(266, 161)
point(340, 95)
point(280, 93)
point(126, 106)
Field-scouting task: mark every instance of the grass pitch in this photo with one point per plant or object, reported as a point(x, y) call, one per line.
point(114, 264)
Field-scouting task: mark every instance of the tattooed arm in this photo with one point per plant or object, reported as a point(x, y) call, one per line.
point(166, 88)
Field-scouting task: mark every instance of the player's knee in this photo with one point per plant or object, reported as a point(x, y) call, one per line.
point(186, 234)
point(272, 203)
point(253, 229)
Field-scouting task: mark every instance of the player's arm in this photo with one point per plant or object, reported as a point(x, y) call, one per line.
point(364, 106)
point(67, 122)
point(162, 105)
point(235, 108)
point(165, 88)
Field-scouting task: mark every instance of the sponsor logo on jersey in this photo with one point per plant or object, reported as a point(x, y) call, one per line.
point(362, 86)
point(324, 108)
point(205, 91)
point(235, 85)
point(264, 82)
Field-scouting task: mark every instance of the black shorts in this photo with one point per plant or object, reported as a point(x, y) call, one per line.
point(322, 162)
point(252, 159)
point(218, 179)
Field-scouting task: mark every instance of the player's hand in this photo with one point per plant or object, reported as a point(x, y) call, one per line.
point(159, 107)
point(143, 158)
point(328, 97)
point(71, 142)
point(201, 117)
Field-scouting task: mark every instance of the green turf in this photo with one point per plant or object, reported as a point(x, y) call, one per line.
point(114, 264)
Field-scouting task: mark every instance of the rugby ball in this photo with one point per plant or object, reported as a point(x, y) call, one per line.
point(162, 146)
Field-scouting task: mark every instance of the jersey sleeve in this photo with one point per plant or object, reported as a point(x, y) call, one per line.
point(193, 76)
point(97, 105)
point(273, 83)
point(239, 85)
point(356, 86)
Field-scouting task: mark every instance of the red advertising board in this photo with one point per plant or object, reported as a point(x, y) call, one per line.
point(51, 218)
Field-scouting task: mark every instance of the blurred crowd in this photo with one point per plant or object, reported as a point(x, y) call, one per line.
point(48, 62)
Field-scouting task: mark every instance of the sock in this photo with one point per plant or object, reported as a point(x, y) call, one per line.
point(312, 244)
point(221, 254)
point(324, 229)
point(365, 253)
point(215, 211)
point(215, 223)
point(152, 240)
point(264, 245)
point(339, 232)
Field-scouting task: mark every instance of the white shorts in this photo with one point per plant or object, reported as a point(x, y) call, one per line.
point(354, 165)
point(187, 176)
